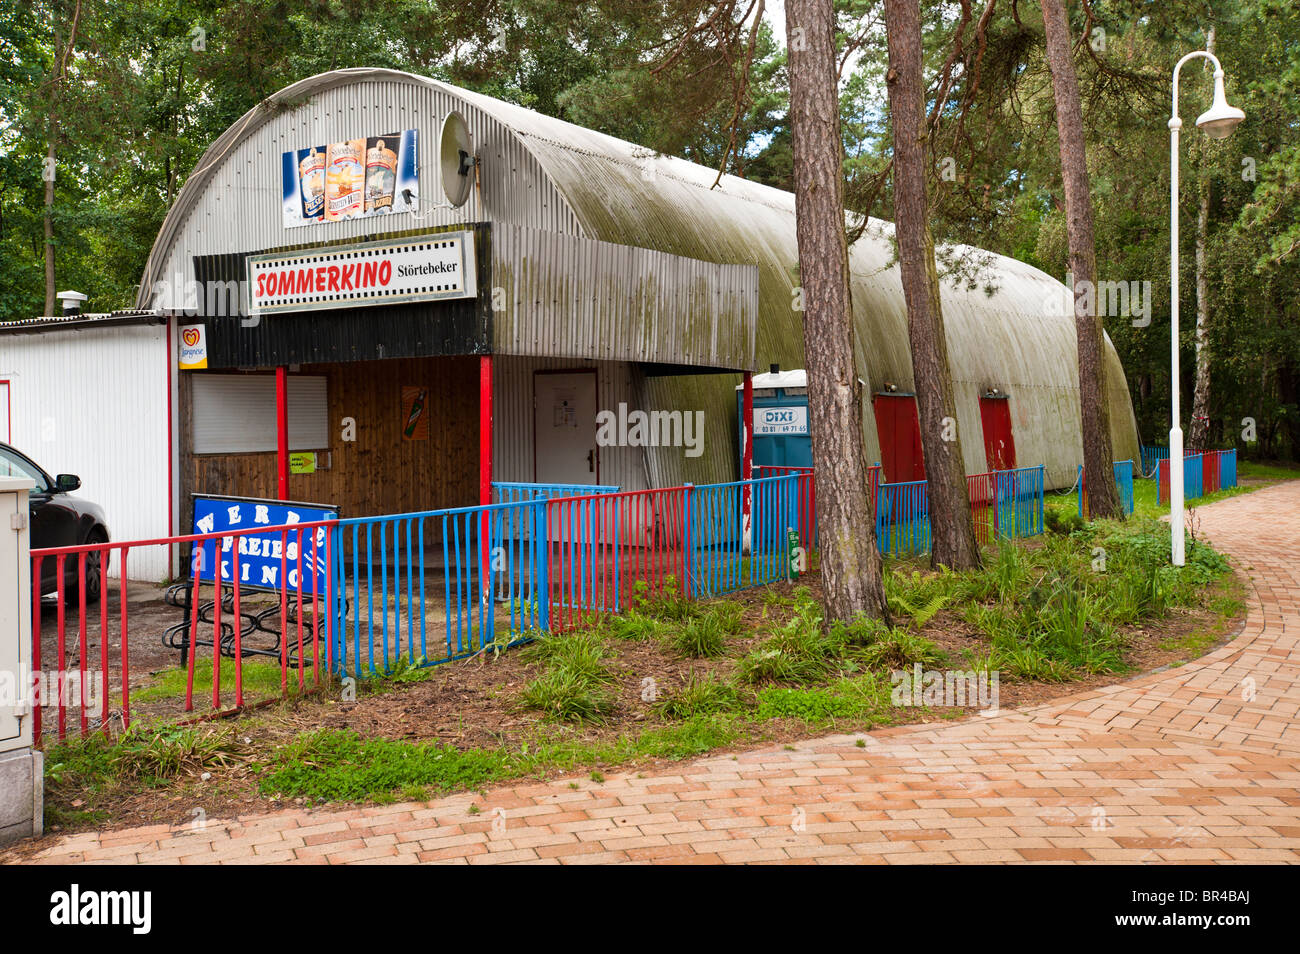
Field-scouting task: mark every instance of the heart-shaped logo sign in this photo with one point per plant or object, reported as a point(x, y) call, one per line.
point(190, 336)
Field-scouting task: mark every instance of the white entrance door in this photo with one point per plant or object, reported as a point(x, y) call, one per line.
point(564, 428)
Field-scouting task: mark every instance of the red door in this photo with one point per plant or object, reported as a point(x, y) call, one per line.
point(899, 430)
point(999, 445)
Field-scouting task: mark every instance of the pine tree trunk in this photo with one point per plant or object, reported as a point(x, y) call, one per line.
point(952, 535)
point(850, 562)
point(1198, 436)
point(1094, 408)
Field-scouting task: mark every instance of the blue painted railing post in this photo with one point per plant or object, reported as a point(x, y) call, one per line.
point(880, 539)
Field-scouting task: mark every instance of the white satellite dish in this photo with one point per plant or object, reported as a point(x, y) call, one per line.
point(456, 159)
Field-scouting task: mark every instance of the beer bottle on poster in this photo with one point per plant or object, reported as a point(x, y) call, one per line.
point(345, 180)
point(381, 174)
point(311, 175)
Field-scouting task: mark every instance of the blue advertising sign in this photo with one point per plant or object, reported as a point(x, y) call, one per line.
point(266, 560)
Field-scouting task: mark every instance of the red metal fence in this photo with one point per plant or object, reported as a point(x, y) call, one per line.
point(305, 637)
point(600, 546)
point(982, 489)
point(807, 494)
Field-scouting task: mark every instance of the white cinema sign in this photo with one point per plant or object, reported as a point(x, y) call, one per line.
point(426, 268)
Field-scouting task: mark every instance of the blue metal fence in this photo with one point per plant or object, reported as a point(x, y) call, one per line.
point(903, 518)
point(1123, 470)
point(514, 492)
point(717, 533)
point(1124, 479)
point(1020, 501)
point(903, 510)
point(418, 586)
point(1203, 472)
point(1193, 477)
point(1151, 458)
point(443, 584)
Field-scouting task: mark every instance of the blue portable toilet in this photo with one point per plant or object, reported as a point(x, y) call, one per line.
point(781, 437)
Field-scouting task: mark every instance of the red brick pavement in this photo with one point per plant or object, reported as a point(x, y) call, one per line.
point(1196, 764)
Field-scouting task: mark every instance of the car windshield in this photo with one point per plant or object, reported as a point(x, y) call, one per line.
point(13, 465)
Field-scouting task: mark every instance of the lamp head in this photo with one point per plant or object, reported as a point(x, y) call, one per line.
point(1220, 119)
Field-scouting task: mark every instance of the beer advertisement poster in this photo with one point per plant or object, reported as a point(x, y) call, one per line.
point(350, 179)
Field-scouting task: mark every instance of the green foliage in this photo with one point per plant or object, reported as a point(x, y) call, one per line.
point(1062, 523)
point(146, 754)
point(920, 614)
point(575, 685)
point(699, 695)
point(842, 699)
point(799, 651)
point(728, 615)
point(635, 626)
point(334, 765)
point(331, 764)
point(562, 693)
point(899, 649)
point(672, 606)
point(701, 637)
point(581, 652)
point(259, 679)
point(1053, 612)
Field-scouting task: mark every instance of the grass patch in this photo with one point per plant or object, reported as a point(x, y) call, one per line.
point(699, 638)
point(575, 685)
point(635, 626)
point(1061, 510)
point(699, 695)
point(854, 698)
point(331, 765)
point(335, 765)
point(898, 649)
point(96, 771)
point(1055, 611)
point(571, 696)
point(259, 679)
point(1263, 470)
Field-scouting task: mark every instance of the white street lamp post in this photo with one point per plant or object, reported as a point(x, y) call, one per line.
point(1217, 122)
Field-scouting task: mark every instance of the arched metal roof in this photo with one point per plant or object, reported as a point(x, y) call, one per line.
point(549, 176)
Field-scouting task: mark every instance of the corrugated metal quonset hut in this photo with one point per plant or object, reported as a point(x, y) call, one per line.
point(438, 302)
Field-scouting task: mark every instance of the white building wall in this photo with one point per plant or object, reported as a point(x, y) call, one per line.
point(94, 402)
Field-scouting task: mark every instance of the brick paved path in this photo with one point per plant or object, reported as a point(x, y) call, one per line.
point(1185, 765)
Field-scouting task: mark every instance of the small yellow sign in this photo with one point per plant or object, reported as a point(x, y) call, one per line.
point(302, 462)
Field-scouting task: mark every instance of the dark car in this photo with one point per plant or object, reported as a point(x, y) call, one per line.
point(60, 520)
